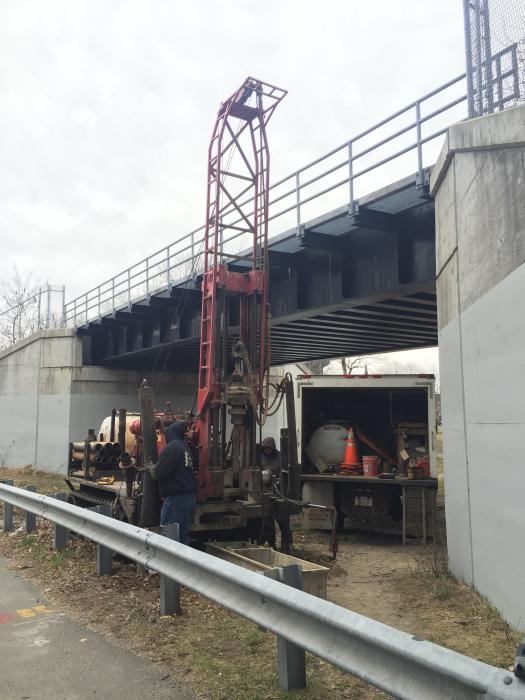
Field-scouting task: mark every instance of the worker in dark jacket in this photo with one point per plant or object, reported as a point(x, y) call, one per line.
point(270, 455)
point(177, 482)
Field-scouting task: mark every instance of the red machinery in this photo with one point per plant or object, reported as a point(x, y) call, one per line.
point(235, 296)
point(237, 497)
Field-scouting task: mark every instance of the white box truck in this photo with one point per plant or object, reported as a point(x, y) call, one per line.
point(393, 418)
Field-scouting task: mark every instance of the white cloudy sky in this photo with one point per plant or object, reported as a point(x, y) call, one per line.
point(106, 108)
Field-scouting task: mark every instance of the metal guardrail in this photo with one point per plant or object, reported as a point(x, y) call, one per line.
point(394, 661)
point(401, 144)
point(402, 139)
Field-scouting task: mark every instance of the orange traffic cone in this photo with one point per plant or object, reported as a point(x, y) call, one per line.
point(351, 455)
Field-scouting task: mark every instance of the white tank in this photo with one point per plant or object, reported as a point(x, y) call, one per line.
point(329, 443)
point(105, 430)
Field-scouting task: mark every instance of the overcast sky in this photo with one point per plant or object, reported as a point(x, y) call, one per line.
point(106, 108)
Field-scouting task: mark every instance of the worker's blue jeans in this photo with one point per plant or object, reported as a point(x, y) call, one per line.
point(178, 509)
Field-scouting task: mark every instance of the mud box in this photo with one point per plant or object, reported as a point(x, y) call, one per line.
point(263, 559)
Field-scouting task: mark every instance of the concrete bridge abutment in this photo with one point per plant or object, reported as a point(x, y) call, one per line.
point(48, 397)
point(479, 188)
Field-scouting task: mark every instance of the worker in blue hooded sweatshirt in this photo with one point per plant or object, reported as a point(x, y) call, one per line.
point(177, 482)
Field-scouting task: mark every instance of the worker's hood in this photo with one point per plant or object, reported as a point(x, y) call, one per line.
point(176, 431)
point(269, 444)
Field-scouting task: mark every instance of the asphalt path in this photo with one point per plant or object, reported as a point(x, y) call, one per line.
point(46, 654)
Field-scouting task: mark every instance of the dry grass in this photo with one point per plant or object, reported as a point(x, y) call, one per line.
point(465, 621)
point(45, 482)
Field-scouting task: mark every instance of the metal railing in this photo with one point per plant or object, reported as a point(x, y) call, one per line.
point(403, 143)
point(491, 58)
point(394, 661)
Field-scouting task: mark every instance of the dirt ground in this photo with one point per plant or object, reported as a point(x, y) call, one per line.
point(222, 656)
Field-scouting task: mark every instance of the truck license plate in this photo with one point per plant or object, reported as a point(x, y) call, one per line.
point(363, 501)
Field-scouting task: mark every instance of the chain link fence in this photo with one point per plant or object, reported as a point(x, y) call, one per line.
point(495, 54)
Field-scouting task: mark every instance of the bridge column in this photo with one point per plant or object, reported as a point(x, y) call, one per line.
point(479, 187)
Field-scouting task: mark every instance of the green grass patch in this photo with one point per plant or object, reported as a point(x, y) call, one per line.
point(442, 590)
point(58, 559)
point(28, 541)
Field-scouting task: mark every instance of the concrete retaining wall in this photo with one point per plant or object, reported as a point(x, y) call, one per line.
point(479, 185)
point(47, 398)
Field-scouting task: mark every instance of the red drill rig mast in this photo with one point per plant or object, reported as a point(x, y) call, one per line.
point(238, 498)
point(235, 296)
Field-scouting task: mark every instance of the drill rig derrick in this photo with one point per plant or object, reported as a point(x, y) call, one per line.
point(235, 295)
point(237, 497)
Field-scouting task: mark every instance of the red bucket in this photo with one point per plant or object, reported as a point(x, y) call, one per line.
point(370, 465)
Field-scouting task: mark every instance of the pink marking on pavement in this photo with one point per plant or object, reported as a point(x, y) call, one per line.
point(6, 617)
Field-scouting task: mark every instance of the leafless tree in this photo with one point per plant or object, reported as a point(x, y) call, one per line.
point(350, 364)
point(19, 298)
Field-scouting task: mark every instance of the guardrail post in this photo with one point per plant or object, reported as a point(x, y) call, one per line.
point(64, 305)
point(420, 177)
point(351, 177)
point(169, 589)
point(30, 517)
point(291, 660)
point(104, 554)
point(8, 509)
point(60, 532)
point(298, 202)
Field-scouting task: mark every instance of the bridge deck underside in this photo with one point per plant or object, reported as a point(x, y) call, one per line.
point(343, 285)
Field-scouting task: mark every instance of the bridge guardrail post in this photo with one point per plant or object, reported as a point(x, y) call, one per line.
point(351, 177)
point(64, 305)
point(60, 532)
point(8, 509)
point(298, 202)
point(30, 524)
point(291, 659)
point(169, 589)
point(420, 178)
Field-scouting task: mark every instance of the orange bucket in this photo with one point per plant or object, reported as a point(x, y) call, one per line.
point(370, 465)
